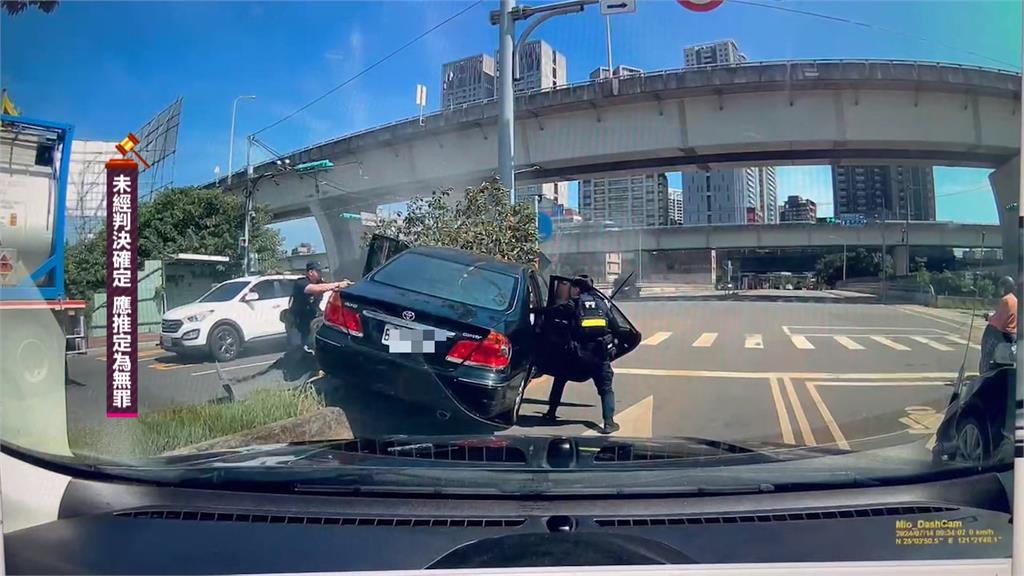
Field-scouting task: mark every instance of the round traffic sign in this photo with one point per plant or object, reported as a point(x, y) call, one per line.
point(700, 5)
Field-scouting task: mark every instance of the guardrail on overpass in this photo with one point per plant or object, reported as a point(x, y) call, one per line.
point(791, 235)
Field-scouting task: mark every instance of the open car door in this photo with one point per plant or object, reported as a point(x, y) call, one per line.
point(381, 249)
point(627, 338)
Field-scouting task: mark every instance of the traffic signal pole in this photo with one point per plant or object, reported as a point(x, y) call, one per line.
point(505, 17)
point(506, 98)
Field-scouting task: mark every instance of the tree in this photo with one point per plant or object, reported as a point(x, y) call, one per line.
point(204, 221)
point(85, 266)
point(484, 220)
point(860, 263)
point(15, 7)
point(179, 220)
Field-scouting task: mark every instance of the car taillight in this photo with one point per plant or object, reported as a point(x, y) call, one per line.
point(342, 317)
point(492, 352)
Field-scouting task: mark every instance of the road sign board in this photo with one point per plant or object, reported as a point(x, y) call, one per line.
point(544, 226)
point(700, 5)
point(610, 7)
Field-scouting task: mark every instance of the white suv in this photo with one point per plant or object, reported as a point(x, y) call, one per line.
point(225, 318)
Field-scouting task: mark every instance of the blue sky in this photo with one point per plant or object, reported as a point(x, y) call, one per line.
point(106, 67)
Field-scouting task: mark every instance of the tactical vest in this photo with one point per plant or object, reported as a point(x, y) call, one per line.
point(591, 318)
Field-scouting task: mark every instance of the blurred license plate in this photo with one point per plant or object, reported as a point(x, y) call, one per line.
point(165, 340)
point(393, 334)
point(411, 341)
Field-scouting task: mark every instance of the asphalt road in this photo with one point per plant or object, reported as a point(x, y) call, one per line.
point(852, 375)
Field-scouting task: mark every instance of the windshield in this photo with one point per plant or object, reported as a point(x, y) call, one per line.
point(224, 292)
point(464, 283)
point(773, 241)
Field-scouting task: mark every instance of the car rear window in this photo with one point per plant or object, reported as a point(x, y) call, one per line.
point(224, 292)
point(464, 283)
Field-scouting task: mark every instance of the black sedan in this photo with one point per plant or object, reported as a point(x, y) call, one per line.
point(443, 328)
point(978, 426)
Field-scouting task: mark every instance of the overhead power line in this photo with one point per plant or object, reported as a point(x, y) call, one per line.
point(875, 27)
point(374, 65)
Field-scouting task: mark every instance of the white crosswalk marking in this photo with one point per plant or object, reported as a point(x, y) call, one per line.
point(848, 343)
point(891, 344)
point(754, 341)
point(931, 343)
point(705, 340)
point(656, 338)
point(801, 342)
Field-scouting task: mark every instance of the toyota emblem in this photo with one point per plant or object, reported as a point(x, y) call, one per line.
point(409, 315)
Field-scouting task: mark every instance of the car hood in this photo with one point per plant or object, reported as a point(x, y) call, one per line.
point(181, 312)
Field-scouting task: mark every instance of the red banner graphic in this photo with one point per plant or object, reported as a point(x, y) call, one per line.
point(122, 294)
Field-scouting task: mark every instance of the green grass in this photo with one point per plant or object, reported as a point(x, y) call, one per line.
point(158, 432)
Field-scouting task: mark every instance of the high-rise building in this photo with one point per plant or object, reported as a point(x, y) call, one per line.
point(541, 66)
point(769, 195)
point(619, 71)
point(468, 80)
point(719, 52)
point(675, 206)
point(798, 209)
point(729, 196)
point(894, 192)
point(639, 200)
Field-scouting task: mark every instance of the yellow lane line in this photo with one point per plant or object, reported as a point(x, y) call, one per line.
point(826, 415)
point(798, 411)
point(780, 409)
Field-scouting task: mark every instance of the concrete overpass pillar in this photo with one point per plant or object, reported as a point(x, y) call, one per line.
point(901, 259)
point(343, 241)
point(1006, 186)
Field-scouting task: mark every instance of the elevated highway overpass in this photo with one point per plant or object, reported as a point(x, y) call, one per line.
point(777, 113)
point(737, 236)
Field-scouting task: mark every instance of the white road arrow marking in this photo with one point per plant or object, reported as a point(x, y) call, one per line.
point(637, 421)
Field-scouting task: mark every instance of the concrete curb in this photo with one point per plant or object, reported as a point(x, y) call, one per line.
point(324, 424)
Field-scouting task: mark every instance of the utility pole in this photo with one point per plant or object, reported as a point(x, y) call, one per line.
point(506, 99)
point(231, 137)
point(246, 203)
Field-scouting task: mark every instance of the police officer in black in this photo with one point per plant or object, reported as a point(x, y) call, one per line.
point(592, 350)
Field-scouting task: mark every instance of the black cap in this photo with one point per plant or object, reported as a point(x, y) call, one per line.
point(583, 282)
point(314, 265)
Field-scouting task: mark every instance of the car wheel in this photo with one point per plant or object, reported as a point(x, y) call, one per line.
point(971, 441)
point(225, 343)
point(511, 416)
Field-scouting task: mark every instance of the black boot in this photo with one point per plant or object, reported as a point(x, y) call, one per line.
point(610, 426)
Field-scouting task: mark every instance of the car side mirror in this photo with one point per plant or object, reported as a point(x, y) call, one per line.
point(1005, 354)
point(250, 296)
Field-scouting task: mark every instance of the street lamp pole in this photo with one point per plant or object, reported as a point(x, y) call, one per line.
point(231, 140)
point(506, 98)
